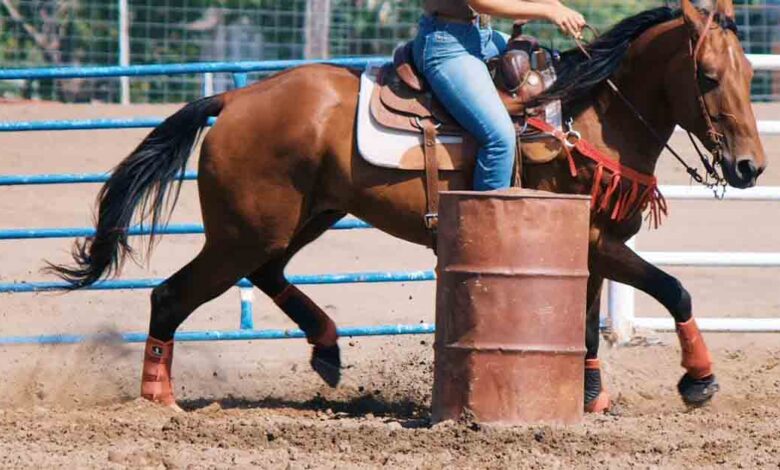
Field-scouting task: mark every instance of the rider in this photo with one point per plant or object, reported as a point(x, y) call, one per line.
point(450, 50)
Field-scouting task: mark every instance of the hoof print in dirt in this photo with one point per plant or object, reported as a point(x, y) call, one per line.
point(327, 363)
point(697, 392)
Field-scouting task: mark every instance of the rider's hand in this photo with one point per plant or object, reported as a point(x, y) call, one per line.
point(568, 20)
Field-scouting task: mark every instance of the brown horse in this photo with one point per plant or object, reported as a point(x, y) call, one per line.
point(281, 166)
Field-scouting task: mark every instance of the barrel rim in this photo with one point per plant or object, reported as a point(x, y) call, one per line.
point(515, 193)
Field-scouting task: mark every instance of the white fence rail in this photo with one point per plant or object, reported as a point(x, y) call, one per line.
point(767, 62)
point(761, 193)
point(769, 127)
point(621, 298)
point(764, 127)
point(770, 62)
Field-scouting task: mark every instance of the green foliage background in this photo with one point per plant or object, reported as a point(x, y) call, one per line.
point(87, 32)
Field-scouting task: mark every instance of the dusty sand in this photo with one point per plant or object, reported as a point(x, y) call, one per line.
point(258, 404)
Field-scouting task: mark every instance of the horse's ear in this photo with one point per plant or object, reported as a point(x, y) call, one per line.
point(725, 8)
point(693, 17)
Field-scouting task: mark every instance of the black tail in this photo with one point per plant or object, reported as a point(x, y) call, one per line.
point(142, 184)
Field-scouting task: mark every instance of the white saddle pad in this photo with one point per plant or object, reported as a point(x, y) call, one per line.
point(378, 145)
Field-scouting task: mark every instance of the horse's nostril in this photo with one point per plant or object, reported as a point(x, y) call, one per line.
point(746, 169)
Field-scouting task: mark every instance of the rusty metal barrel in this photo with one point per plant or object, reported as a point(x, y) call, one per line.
point(510, 307)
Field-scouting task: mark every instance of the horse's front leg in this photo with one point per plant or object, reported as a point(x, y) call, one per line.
point(596, 396)
point(616, 261)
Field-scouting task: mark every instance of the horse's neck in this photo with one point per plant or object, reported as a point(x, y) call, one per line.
point(608, 122)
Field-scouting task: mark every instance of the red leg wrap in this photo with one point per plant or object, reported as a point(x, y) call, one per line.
point(592, 364)
point(696, 358)
point(156, 380)
point(602, 402)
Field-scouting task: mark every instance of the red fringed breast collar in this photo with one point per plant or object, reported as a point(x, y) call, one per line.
point(625, 191)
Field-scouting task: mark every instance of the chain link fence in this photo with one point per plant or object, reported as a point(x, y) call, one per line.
point(86, 32)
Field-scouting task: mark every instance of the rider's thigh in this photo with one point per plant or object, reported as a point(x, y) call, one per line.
point(465, 88)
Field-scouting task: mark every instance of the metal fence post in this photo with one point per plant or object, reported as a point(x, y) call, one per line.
point(240, 80)
point(247, 304)
point(621, 305)
point(208, 84)
point(317, 29)
point(124, 49)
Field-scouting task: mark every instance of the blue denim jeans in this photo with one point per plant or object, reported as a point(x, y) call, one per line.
point(452, 57)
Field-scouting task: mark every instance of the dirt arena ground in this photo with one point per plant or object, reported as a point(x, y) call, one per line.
point(257, 404)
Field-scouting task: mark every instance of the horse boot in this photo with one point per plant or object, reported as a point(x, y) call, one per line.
point(320, 332)
point(698, 385)
point(156, 380)
point(596, 395)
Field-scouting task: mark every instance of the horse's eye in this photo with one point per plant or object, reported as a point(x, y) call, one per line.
point(708, 80)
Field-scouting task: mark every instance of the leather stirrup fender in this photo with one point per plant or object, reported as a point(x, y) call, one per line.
point(403, 61)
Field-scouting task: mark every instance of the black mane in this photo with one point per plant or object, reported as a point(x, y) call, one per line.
point(578, 75)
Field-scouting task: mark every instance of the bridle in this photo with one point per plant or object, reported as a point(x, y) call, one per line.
point(713, 179)
point(717, 140)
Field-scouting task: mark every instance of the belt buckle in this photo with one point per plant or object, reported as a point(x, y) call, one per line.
point(431, 220)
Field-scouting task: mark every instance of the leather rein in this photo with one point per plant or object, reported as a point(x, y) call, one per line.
point(713, 179)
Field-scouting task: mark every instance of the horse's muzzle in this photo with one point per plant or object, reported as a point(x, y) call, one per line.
point(741, 173)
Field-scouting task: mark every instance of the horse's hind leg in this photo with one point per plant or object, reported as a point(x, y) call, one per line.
point(212, 272)
point(319, 327)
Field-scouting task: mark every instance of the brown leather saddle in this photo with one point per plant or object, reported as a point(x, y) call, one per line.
point(402, 101)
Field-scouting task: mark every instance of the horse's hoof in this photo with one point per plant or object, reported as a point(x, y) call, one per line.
point(175, 408)
point(600, 404)
point(326, 361)
point(168, 403)
point(596, 396)
point(697, 392)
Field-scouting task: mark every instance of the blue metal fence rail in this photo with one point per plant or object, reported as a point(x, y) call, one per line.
point(174, 229)
point(216, 335)
point(196, 68)
point(240, 73)
point(65, 178)
point(84, 124)
point(300, 279)
point(239, 70)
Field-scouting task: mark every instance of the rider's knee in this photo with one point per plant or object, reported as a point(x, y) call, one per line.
point(503, 139)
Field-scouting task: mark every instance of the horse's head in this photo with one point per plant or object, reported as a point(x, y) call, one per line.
point(711, 93)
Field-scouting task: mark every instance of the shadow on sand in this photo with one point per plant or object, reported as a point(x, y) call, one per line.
point(407, 412)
